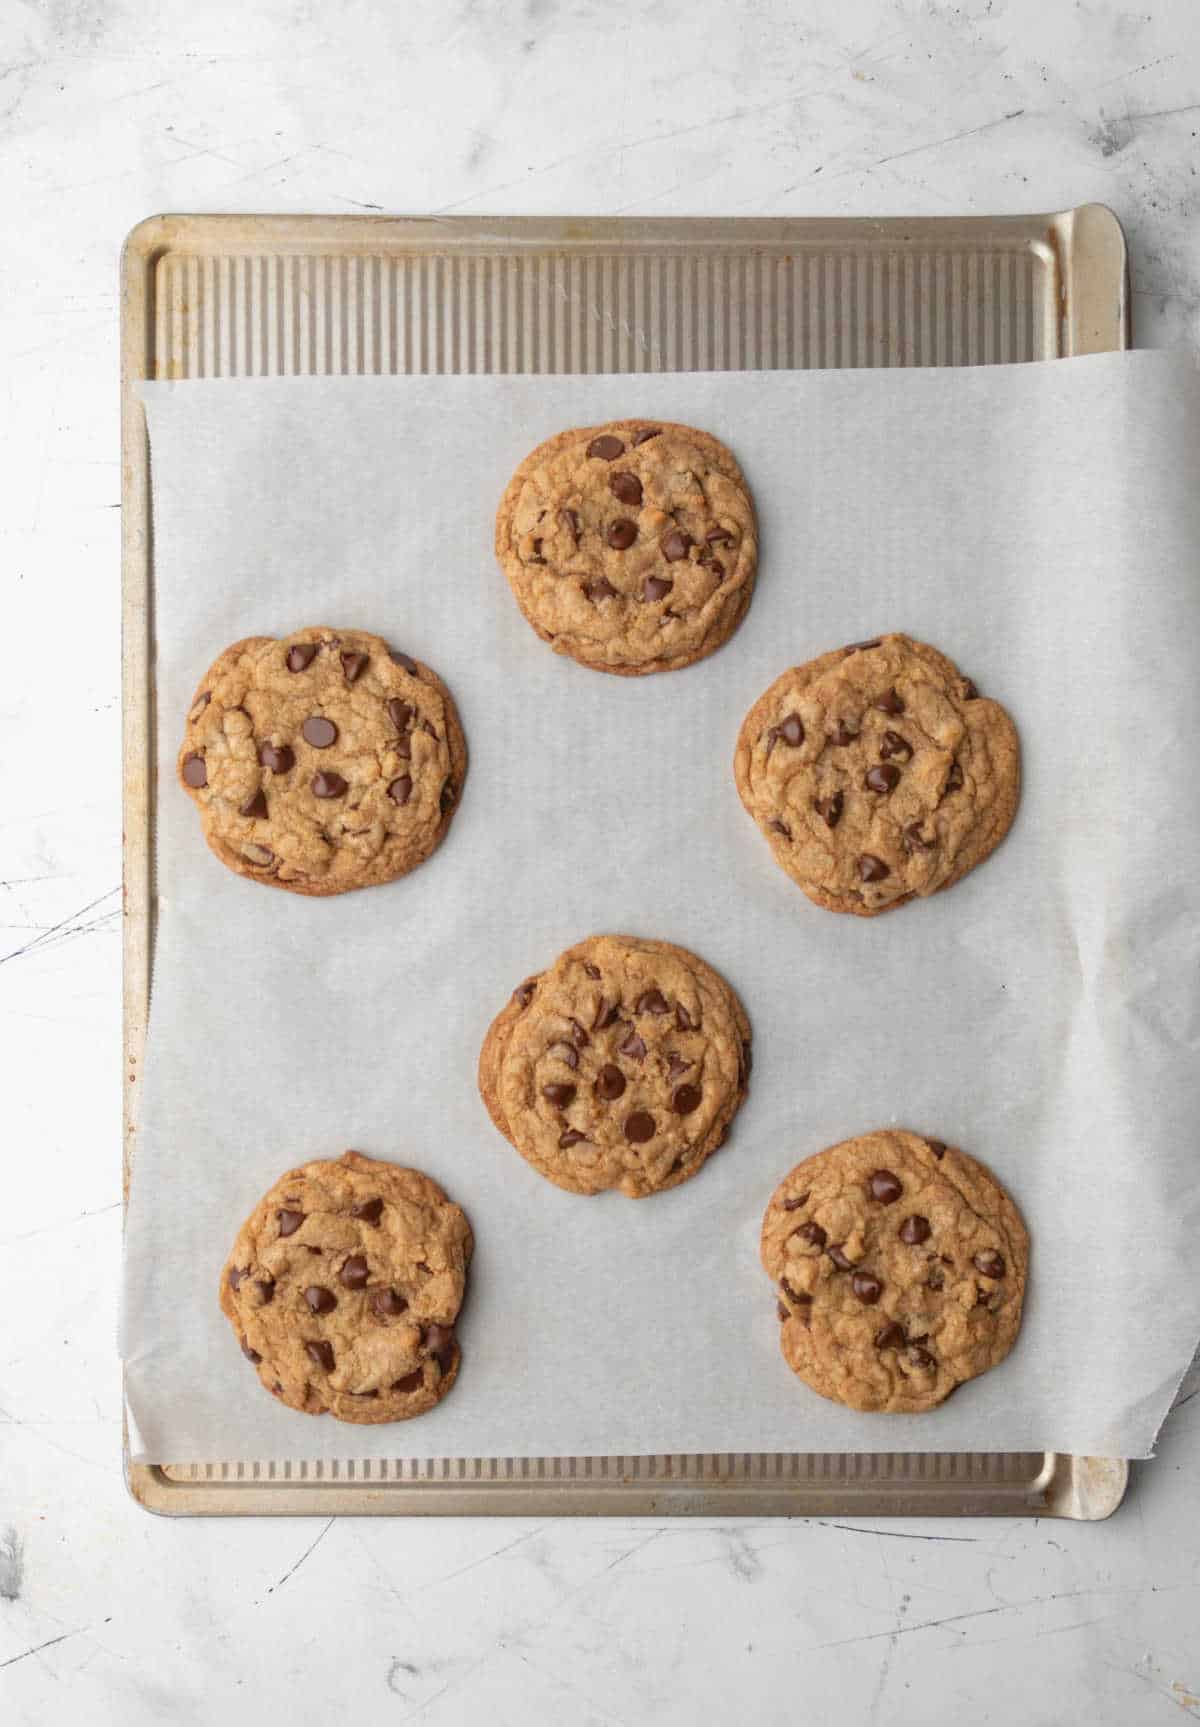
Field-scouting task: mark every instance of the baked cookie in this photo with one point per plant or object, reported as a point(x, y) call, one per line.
point(621, 1066)
point(323, 761)
point(878, 773)
point(343, 1287)
point(632, 546)
point(901, 1270)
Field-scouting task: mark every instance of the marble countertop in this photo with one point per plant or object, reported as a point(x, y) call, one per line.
point(113, 109)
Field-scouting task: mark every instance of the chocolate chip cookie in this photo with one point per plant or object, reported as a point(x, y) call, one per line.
point(344, 1286)
point(632, 546)
point(878, 773)
point(622, 1066)
point(900, 1264)
point(323, 761)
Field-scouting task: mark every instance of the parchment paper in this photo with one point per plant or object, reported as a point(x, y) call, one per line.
point(1039, 523)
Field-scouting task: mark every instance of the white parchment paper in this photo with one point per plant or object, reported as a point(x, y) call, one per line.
point(1039, 523)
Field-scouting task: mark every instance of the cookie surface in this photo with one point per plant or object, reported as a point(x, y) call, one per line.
point(900, 1265)
point(322, 761)
point(630, 546)
point(878, 774)
point(621, 1066)
point(344, 1286)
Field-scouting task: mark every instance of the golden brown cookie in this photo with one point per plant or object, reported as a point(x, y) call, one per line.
point(631, 546)
point(900, 1264)
point(622, 1066)
point(323, 761)
point(878, 773)
point(344, 1285)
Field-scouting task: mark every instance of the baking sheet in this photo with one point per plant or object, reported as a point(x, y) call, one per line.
point(1038, 523)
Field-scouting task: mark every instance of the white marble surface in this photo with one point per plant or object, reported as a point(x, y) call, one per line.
point(111, 109)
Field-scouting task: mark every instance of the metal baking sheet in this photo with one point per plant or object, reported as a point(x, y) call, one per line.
point(269, 296)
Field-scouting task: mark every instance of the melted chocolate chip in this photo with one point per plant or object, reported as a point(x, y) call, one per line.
point(387, 1303)
point(266, 1288)
point(914, 1230)
point(400, 789)
point(632, 1046)
point(652, 1001)
point(936, 1278)
point(558, 1095)
point(871, 868)
point(606, 1014)
point(322, 1354)
point(683, 1018)
point(914, 839)
point(255, 806)
point(990, 1264)
point(439, 1341)
point(891, 1337)
point(885, 1187)
point(954, 778)
point(610, 1083)
point(568, 1137)
point(783, 1312)
point(685, 1099)
point(260, 856)
point(565, 1052)
point(970, 692)
point(840, 1260)
point(815, 1237)
point(353, 666)
point(301, 656)
point(778, 827)
point(866, 1287)
point(674, 545)
point(577, 1032)
point(607, 448)
point(447, 796)
point(599, 589)
point(277, 757)
point(537, 557)
point(195, 773)
point(319, 732)
point(328, 785)
point(400, 713)
point(289, 1221)
point(677, 1065)
point(842, 735)
point(370, 1211)
point(625, 487)
point(720, 537)
point(320, 1299)
point(410, 665)
point(621, 534)
point(861, 647)
point(250, 1354)
point(656, 588)
point(570, 521)
point(884, 778)
point(353, 1274)
point(524, 993)
point(830, 809)
point(411, 1381)
point(797, 1203)
point(889, 702)
point(639, 1127)
point(796, 1295)
point(790, 730)
point(892, 744)
point(644, 434)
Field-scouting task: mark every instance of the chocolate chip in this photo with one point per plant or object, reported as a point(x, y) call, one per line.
point(970, 692)
point(370, 1211)
point(645, 433)
point(683, 1018)
point(632, 1046)
point(606, 1014)
point(914, 839)
point(677, 1065)
point(315, 1250)
point(558, 1095)
point(411, 1381)
point(778, 827)
point(867, 1287)
point(914, 1230)
point(593, 971)
point(884, 778)
point(796, 1295)
point(570, 521)
point(255, 806)
point(266, 1288)
point(871, 868)
point(565, 1052)
point(250, 1354)
point(783, 1312)
point(289, 1221)
point(983, 1296)
point(537, 557)
point(353, 666)
point(320, 1299)
point(301, 656)
point(353, 1274)
point(652, 1001)
point(446, 796)
point(400, 789)
point(195, 773)
point(685, 1099)
point(607, 448)
point(921, 1358)
point(936, 1278)
point(892, 744)
point(795, 1204)
point(319, 732)
point(260, 856)
point(842, 735)
point(718, 570)
point(815, 1237)
point(639, 1127)
point(524, 992)
point(861, 647)
point(720, 537)
point(328, 785)
point(840, 1260)
point(277, 757)
point(830, 809)
point(410, 665)
point(625, 487)
point(885, 1186)
point(568, 1137)
point(400, 713)
point(387, 1303)
point(937, 1147)
point(577, 1032)
point(674, 545)
point(657, 588)
point(199, 705)
point(599, 589)
point(889, 702)
point(610, 1083)
point(439, 1341)
point(790, 730)
point(990, 1264)
point(891, 1337)
point(954, 778)
point(236, 1276)
point(321, 1353)
point(621, 534)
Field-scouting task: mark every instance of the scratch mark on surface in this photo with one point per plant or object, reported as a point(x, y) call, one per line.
point(67, 927)
point(892, 1534)
point(488, 1557)
point(954, 138)
point(977, 1613)
point(38, 1647)
point(357, 202)
point(48, 1229)
point(303, 1557)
